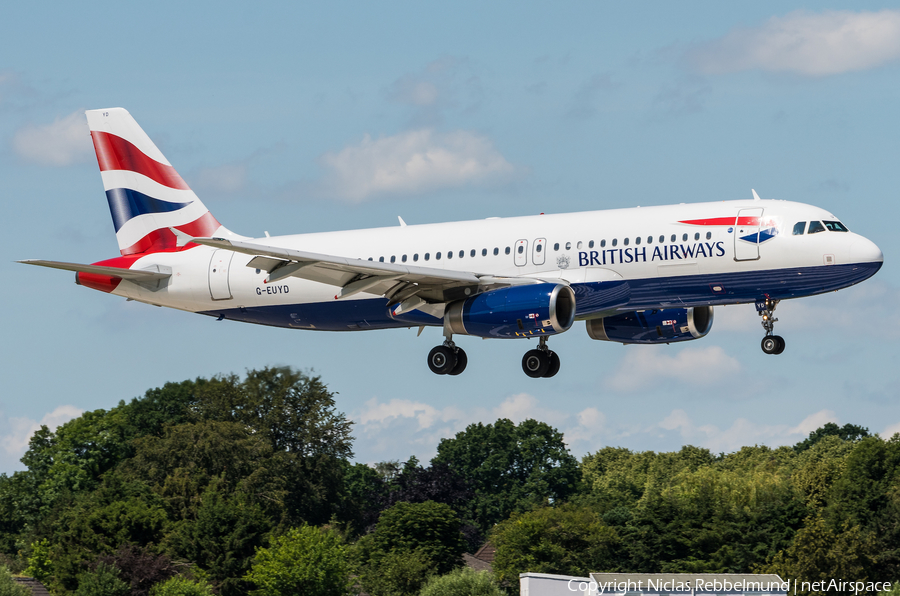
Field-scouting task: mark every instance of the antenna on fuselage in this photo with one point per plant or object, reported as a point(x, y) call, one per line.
point(755, 196)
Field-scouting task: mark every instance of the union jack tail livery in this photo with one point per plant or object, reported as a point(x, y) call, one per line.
point(147, 198)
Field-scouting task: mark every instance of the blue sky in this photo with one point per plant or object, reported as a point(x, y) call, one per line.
point(277, 115)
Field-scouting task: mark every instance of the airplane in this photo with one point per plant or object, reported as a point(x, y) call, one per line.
point(644, 275)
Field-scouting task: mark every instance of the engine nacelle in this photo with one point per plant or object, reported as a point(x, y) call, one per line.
point(653, 326)
point(517, 311)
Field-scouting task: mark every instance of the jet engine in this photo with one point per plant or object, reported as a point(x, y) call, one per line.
point(660, 326)
point(518, 311)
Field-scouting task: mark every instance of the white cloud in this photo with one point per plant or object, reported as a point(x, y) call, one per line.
point(814, 421)
point(742, 432)
point(890, 431)
point(413, 162)
point(645, 366)
point(805, 43)
point(447, 84)
point(421, 426)
point(15, 443)
point(64, 142)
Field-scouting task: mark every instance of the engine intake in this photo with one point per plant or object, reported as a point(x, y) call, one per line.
point(660, 326)
point(517, 311)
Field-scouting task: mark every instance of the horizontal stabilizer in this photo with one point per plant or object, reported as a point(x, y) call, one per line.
point(135, 275)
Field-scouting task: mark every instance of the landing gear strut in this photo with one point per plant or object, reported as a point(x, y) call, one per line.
point(540, 362)
point(771, 344)
point(447, 358)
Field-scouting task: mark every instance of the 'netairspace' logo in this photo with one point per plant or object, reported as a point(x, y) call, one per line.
point(712, 586)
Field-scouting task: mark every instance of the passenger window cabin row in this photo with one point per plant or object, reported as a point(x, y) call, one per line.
point(539, 247)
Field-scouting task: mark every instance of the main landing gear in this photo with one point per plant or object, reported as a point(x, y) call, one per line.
point(771, 344)
point(447, 359)
point(540, 362)
point(450, 359)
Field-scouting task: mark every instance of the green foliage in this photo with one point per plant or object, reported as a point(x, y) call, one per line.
point(818, 552)
point(228, 529)
point(180, 586)
point(848, 432)
point(40, 565)
point(463, 582)
point(398, 573)
point(102, 581)
point(9, 587)
point(568, 540)
point(429, 528)
point(511, 468)
point(306, 560)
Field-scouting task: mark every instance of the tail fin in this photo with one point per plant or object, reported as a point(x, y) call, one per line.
point(146, 195)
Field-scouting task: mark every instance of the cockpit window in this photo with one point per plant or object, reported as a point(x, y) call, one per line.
point(835, 226)
point(815, 227)
point(799, 227)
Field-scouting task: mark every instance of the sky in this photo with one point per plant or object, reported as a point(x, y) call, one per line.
point(303, 117)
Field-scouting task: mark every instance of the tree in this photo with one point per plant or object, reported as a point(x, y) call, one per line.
point(510, 467)
point(400, 573)
point(139, 568)
point(223, 538)
point(463, 582)
point(430, 528)
point(119, 512)
point(818, 552)
point(9, 587)
point(568, 540)
point(306, 560)
point(181, 586)
point(848, 432)
point(102, 581)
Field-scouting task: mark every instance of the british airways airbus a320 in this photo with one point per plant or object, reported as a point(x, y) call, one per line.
point(636, 276)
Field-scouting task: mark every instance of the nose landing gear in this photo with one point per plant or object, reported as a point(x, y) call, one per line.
point(540, 362)
point(771, 344)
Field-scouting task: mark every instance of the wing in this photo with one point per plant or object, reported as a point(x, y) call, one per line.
point(398, 282)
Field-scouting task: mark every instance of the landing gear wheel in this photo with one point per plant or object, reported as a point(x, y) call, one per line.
point(441, 360)
point(780, 347)
point(554, 365)
point(461, 361)
point(772, 344)
point(535, 363)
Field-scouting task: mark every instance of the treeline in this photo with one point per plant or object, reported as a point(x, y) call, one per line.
point(245, 485)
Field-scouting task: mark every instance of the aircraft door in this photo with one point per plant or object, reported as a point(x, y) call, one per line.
point(537, 251)
point(219, 264)
point(521, 253)
point(746, 234)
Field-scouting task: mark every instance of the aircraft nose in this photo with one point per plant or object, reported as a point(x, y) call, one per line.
point(864, 250)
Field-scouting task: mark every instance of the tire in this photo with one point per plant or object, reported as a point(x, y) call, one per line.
point(461, 361)
point(535, 363)
point(770, 344)
point(554, 365)
point(441, 360)
point(780, 347)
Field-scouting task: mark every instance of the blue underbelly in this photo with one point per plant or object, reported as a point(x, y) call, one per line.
point(636, 294)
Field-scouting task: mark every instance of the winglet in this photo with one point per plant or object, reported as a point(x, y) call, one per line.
point(755, 196)
point(402, 223)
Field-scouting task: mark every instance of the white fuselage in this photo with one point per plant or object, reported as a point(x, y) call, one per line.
point(584, 250)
